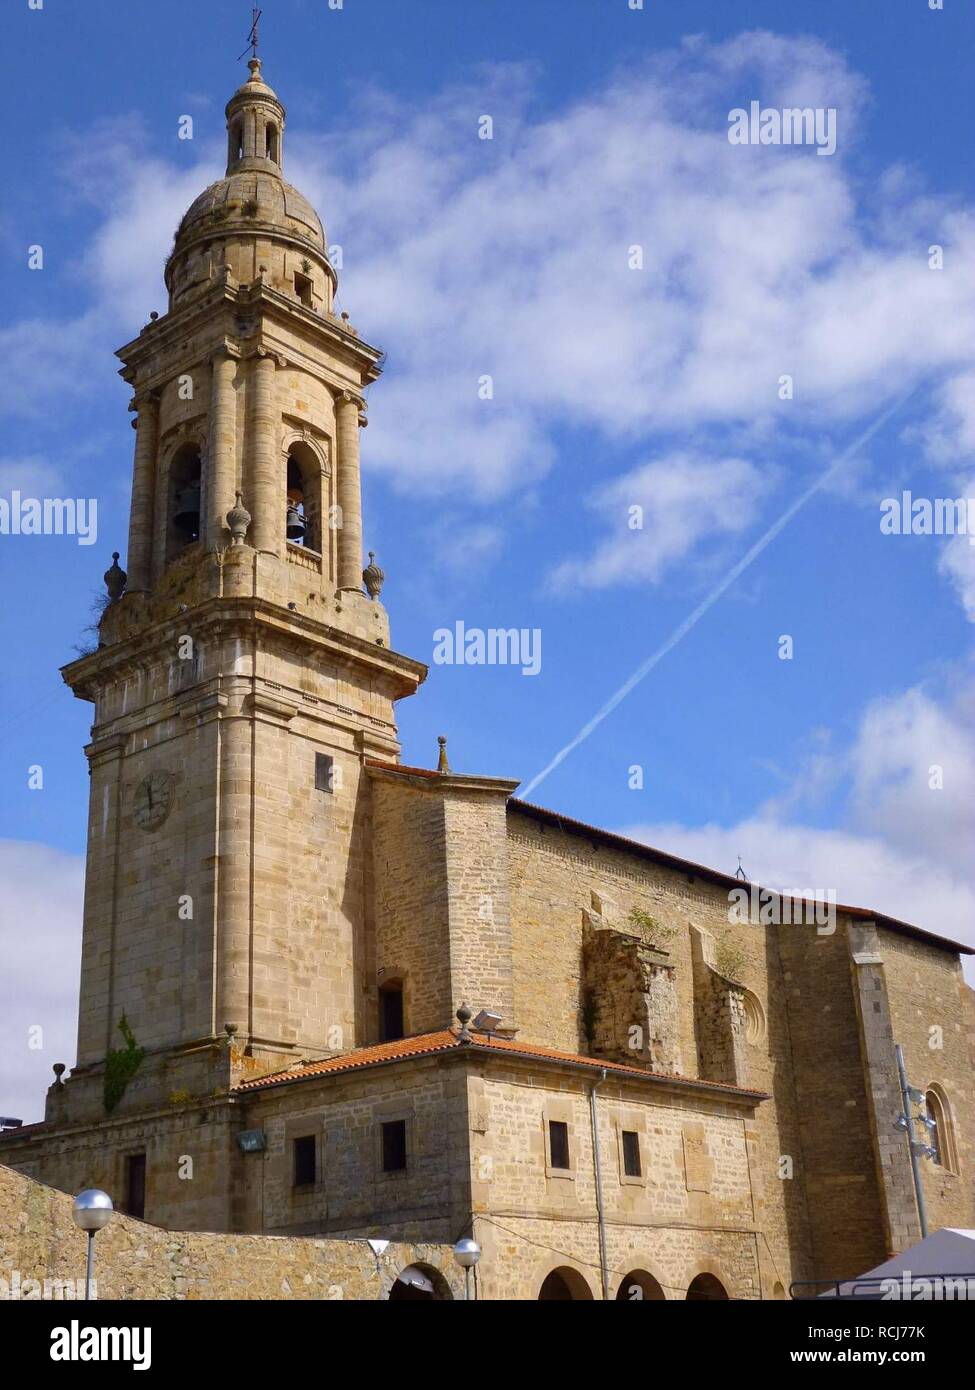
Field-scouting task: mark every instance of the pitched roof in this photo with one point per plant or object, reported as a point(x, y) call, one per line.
point(448, 1040)
point(673, 861)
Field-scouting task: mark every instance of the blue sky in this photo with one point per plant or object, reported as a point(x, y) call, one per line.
point(612, 387)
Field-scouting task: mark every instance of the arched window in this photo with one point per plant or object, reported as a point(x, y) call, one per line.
point(184, 511)
point(303, 524)
point(271, 142)
point(941, 1135)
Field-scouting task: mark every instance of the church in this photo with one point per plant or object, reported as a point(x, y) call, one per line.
point(327, 994)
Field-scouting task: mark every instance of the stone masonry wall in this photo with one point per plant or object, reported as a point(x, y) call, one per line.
point(553, 876)
point(39, 1240)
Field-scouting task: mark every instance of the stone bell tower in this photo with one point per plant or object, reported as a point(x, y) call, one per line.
point(242, 676)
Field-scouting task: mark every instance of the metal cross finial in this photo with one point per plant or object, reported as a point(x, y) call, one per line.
point(253, 38)
point(740, 872)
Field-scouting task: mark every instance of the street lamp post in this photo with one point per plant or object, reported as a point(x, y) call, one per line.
point(92, 1209)
point(467, 1252)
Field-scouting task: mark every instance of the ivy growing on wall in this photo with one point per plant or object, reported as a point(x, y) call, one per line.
point(121, 1065)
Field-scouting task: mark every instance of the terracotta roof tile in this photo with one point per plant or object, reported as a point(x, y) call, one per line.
point(426, 1044)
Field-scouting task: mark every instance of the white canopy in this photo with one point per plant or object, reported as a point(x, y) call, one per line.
point(947, 1252)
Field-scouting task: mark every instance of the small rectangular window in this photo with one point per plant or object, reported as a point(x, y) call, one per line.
point(324, 776)
point(135, 1186)
point(631, 1154)
point(558, 1143)
point(394, 1146)
point(305, 1162)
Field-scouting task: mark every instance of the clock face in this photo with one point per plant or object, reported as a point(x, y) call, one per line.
point(153, 799)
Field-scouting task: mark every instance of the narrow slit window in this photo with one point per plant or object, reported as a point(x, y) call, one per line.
point(324, 773)
point(632, 1167)
point(391, 1012)
point(135, 1186)
point(558, 1143)
point(394, 1146)
point(305, 1161)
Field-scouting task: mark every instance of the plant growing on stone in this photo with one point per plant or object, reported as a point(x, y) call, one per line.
point(657, 932)
point(121, 1065)
point(730, 960)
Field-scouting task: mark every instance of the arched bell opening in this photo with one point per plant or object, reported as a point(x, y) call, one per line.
point(185, 500)
point(304, 503)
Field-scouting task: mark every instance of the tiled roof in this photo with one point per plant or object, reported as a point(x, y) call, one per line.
point(447, 1040)
point(21, 1130)
point(404, 768)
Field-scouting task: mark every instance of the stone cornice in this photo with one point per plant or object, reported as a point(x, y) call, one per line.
point(240, 321)
point(442, 783)
point(237, 617)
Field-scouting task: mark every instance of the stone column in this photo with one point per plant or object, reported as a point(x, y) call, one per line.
point(232, 949)
point(222, 474)
point(139, 557)
point(347, 408)
point(264, 492)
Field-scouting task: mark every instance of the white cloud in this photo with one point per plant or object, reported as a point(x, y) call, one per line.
point(906, 847)
point(41, 893)
point(510, 258)
point(682, 500)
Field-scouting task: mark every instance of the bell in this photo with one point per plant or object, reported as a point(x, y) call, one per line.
point(295, 526)
point(186, 517)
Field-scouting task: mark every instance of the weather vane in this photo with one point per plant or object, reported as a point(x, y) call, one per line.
point(252, 39)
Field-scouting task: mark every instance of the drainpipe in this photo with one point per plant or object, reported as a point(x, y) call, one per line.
point(603, 1262)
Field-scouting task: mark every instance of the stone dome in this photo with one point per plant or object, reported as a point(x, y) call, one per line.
point(247, 202)
point(252, 220)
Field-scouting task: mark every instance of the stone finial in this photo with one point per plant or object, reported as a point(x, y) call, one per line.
point(231, 1030)
point(373, 577)
point(238, 519)
point(115, 578)
point(59, 1070)
point(464, 1016)
point(442, 764)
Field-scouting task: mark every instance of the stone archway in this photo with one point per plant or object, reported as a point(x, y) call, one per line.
point(419, 1283)
point(639, 1286)
point(564, 1284)
point(706, 1288)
